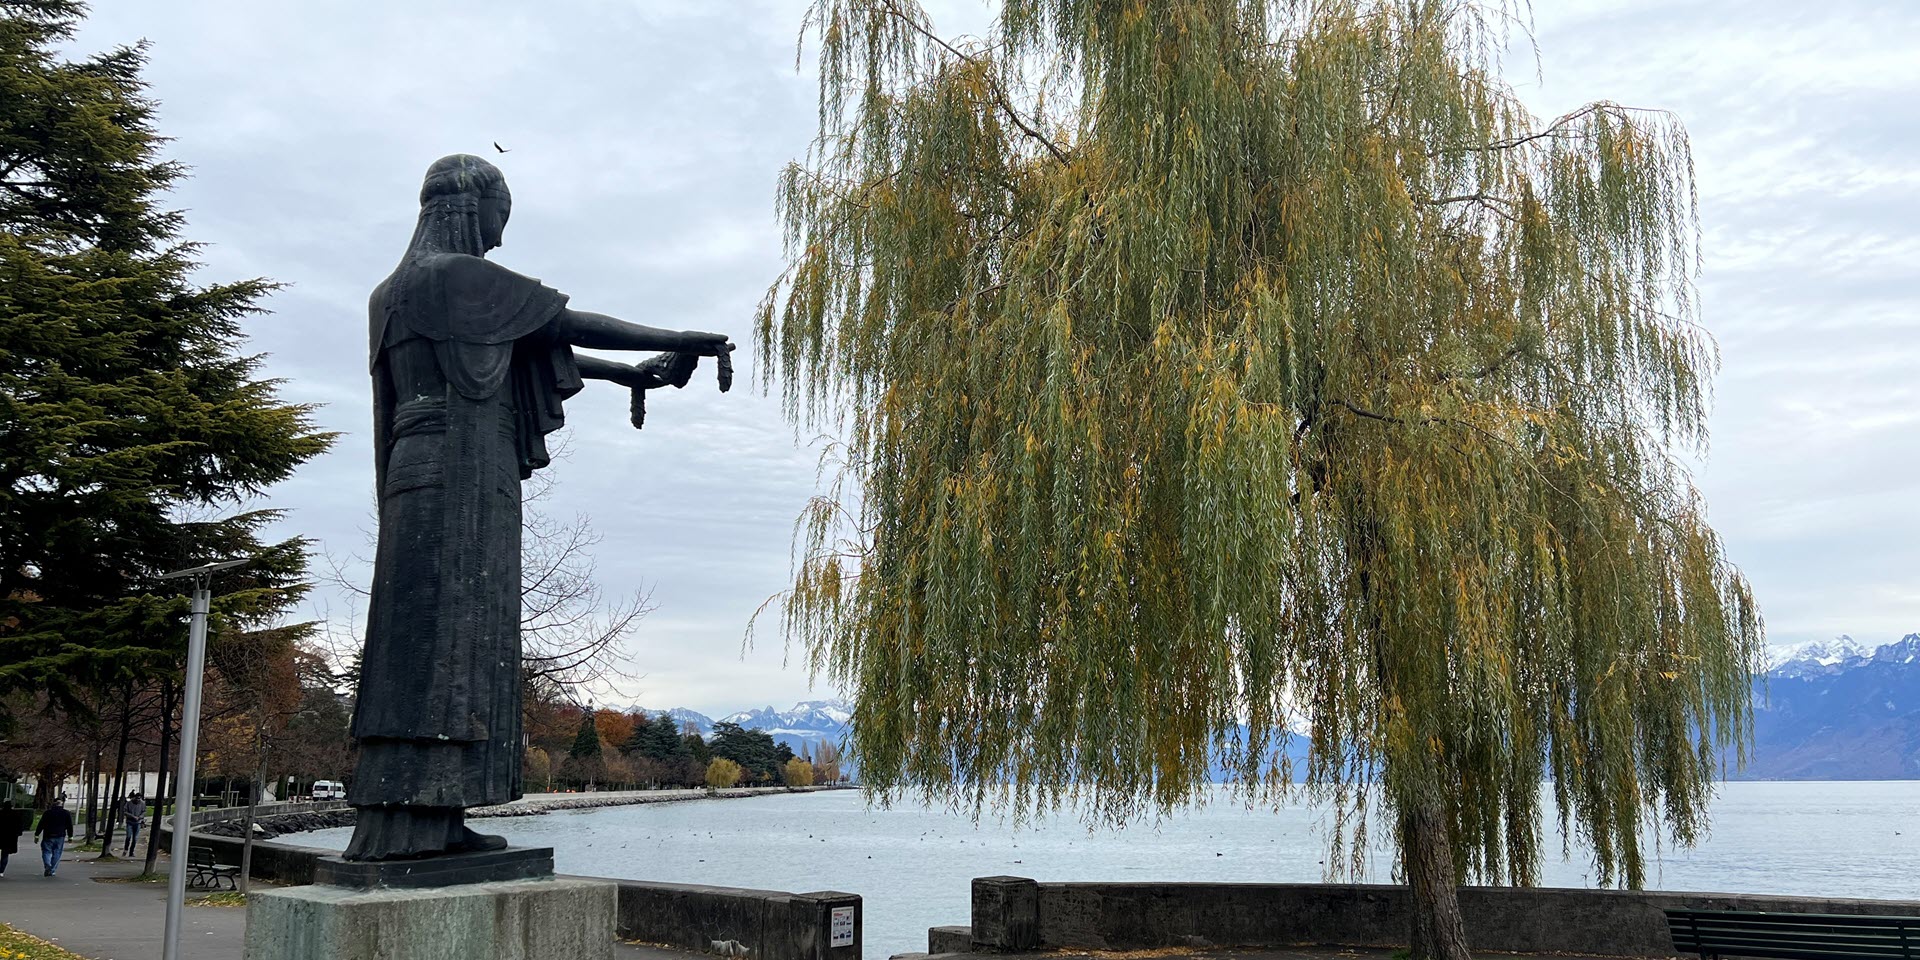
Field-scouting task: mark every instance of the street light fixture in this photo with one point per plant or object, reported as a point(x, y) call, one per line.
point(189, 744)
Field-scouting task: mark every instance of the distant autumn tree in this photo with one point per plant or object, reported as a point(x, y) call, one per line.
point(537, 767)
point(723, 773)
point(1209, 367)
point(797, 773)
point(826, 763)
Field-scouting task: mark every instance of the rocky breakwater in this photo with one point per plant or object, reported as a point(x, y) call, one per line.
point(547, 802)
point(268, 825)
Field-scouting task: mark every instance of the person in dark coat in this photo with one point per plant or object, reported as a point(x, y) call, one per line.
point(56, 825)
point(134, 811)
point(12, 824)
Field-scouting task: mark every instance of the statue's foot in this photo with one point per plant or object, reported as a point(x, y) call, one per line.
point(404, 833)
point(472, 841)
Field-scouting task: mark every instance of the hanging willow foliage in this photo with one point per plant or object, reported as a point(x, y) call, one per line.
point(1211, 369)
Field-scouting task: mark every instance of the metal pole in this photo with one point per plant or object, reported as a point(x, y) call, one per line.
point(183, 784)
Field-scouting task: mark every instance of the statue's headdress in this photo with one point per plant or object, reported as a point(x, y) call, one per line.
point(450, 203)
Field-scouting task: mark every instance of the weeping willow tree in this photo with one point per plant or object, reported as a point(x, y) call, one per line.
point(1214, 369)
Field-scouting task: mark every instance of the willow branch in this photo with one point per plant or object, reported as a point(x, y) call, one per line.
point(999, 95)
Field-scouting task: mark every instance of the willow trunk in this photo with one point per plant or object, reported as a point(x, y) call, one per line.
point(1438, 932)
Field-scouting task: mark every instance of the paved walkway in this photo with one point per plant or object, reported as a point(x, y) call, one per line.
point(126, 921)
point(1229, 953)
point(111, 921)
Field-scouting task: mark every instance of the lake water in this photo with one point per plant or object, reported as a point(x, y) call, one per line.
point(914, 866)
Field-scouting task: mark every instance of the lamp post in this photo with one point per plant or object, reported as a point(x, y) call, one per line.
point(189, 745)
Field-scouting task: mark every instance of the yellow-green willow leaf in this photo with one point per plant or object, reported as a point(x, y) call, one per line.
point(1211, 369)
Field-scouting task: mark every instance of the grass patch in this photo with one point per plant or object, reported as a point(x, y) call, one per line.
point(136, 878)
point(223, 898)
point(15, 945)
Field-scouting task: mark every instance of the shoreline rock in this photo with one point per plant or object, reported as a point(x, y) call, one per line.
point(269, 825)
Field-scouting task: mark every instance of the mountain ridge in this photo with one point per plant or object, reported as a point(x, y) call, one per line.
point(1833, 709)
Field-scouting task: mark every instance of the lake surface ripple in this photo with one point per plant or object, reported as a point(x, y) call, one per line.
point(914, 866)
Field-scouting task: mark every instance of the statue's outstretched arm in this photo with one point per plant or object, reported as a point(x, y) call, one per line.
point(592, 330)
point(624, 374)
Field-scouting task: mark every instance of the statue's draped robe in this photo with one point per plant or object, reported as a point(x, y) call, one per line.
point(468, 377)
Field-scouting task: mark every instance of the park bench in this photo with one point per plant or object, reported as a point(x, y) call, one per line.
point(205, 873)
point(1794, 936)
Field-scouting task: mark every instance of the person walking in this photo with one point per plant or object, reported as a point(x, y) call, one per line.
point(12, 824)
point(56, 825)
point(133, 810)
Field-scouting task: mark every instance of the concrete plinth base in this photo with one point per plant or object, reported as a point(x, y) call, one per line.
point(517, 920)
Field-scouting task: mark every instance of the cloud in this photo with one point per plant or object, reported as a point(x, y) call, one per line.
point(1803, 125)
point(646, 139)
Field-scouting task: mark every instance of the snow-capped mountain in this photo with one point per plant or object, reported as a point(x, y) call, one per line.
point(681, 716)
point(1818, 653)
point(806, 717)
point(1834, 709)
point(807, 723)
point(1838, 710)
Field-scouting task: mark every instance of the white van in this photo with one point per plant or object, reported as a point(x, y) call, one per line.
point(329, 790)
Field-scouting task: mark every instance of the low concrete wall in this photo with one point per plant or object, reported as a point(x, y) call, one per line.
point(949, 939)
point(273, 860)
point(1013, 913)
point(772, 925)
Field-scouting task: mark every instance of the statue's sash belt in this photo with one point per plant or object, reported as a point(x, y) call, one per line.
point(425, 415)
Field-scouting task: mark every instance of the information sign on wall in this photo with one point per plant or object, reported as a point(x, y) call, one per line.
point(841, 928)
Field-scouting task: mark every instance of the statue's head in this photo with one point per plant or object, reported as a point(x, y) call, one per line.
point(469, 197)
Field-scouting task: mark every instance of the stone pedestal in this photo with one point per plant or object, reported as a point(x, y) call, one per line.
point(491, 866)
point(549, 919)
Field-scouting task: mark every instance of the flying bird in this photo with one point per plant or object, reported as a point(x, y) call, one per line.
point(497, 146)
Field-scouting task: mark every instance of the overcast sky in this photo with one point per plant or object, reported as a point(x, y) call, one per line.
point(645, 139)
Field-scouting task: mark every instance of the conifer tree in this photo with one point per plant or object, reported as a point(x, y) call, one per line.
point(1213, 368)
point(659, 741)
point(132, 430)
point(586, 740)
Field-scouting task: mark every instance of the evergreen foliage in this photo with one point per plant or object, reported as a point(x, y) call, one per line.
point(127, 419)
point(1211, 369)
point(586, 740)
point(754, 750)
point(657, 740)
point(697, 748)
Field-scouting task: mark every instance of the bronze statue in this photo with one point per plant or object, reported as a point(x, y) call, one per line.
point(471, 363)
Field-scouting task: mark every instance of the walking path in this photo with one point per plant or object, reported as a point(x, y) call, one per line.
point(126, 921)
point(1230, 953)
point(112, 921)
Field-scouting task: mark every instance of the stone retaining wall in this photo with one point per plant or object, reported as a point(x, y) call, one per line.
point(770, 924)
point(1017, 914)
